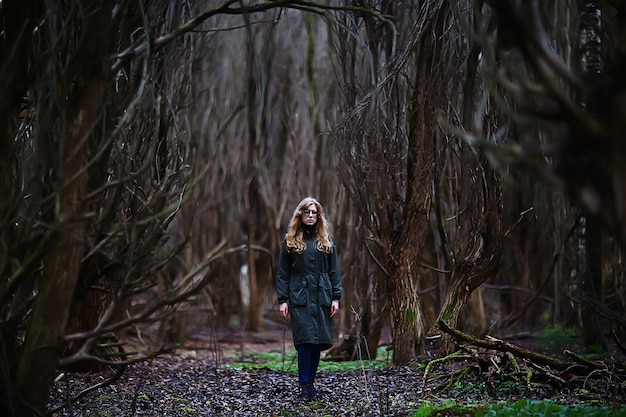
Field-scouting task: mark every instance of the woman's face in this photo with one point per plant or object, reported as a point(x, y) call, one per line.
point(309, 215)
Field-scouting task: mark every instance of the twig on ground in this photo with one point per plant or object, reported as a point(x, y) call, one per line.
point(86, 391)
point(458, 355)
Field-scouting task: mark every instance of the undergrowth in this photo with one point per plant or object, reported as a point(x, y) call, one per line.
point(521, 408)
point(277, 361)
point(557, 338)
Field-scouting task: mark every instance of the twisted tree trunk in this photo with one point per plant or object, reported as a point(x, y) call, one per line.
point(61, 266)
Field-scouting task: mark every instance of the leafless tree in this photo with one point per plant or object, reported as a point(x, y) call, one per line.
point(468, 206)
point(264, 140)
point(101, 167)
point(571, 85)
point(391, 71)
point(98, 173)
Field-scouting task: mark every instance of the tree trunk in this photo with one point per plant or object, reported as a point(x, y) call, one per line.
point(361, 317)
point(591, 268)
point(18, 22)
point(258, 76)
point(259, 263)
point(407, 322)
point(475, 317)
point(480, 253)
point(17, 27)
point(477, 248)
point(60, 271)
point(591, 283)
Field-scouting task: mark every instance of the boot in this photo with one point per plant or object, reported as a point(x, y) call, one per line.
point(304, 392)
point(313, 394)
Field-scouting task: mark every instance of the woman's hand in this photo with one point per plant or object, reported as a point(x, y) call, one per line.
point(284, 310)
point(334, 307)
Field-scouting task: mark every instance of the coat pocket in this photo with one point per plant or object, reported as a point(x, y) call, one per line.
point(325, 291)
point(297, 291)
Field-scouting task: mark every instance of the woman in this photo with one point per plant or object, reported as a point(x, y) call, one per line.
point(309, 288)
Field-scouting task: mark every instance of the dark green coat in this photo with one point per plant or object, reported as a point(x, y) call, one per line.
point(309, 282)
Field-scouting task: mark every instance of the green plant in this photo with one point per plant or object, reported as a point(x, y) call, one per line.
point(448, 408)
point(424, 411)
point(593, 350)
point(180, 400)
point(509, 387)
point(317, 405)
point(523, 408)
point(467, 386)
point(556, 338)
point(277, 361)
point(188, 410)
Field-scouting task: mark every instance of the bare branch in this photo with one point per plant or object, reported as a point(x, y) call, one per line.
point(226, 8)
point(108, 381)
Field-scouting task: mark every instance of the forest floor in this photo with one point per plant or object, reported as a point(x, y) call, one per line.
point(197, 381)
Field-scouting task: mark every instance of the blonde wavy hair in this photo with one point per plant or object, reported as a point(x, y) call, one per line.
point(294, 238)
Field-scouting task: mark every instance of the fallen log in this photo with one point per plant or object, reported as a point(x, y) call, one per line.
point(578, 366)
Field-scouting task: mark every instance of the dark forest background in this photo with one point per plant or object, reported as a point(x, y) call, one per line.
point(470, 156)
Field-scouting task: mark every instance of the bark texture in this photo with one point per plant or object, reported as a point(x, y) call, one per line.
point(61, 266)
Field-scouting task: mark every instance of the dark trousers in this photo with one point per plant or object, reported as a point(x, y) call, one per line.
point(308, 361)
